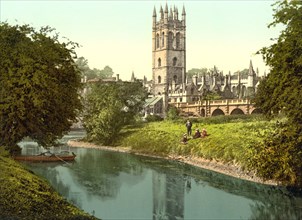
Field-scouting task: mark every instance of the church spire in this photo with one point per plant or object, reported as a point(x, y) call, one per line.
point(161, 13)
point(166, 14)
point(154, 12)
point(251, 70)
point(183, 16)
point(154, 17)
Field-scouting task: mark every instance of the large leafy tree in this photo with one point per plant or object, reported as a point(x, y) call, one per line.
point(109, 107)
point(39, 94)
point(284, 82)
point(279, 157)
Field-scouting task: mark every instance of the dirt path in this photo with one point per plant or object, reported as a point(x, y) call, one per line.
point(227, 169)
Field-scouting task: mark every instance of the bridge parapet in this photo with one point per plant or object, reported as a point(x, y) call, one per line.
point(207, 108)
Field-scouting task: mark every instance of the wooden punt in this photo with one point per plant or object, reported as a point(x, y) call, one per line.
point(45, 158)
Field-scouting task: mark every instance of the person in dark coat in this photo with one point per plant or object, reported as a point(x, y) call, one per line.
point(189, 127)
point(197, 134)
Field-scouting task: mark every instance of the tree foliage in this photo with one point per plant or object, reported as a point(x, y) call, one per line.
point(109, 107)
point(283, 84)
point(39, 94)
point(82, 64)
point(281, 92)
point(196, 71)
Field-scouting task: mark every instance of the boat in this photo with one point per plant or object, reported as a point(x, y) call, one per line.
point(46, 157)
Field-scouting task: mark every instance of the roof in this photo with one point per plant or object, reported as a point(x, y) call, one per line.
point(152, 101)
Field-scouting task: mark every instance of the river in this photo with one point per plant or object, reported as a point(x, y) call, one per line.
point(112, 185)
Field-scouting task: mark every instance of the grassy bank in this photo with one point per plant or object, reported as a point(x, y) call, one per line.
point(26, 196)
point(230, 140)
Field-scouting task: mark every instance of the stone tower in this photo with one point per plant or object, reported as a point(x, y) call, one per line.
point(168, 50)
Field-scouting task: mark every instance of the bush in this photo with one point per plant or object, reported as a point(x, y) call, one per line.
point(173, 113)
point(151, 118)
point(278, 157)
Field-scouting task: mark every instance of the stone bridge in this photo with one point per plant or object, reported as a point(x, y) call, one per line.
point(208, 108)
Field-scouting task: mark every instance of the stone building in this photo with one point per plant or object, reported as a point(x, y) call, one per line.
point(169, 80)
point(168, 49)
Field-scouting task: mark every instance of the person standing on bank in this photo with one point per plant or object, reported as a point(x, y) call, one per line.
point(189, 127)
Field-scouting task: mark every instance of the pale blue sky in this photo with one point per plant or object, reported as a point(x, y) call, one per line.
point(224, 33)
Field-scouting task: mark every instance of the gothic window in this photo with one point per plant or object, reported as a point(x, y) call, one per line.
point(177, 40)
point(163, 39)
point(174, 61)
point(170, 40)
point(157, 41)
point(159, 79)
point(192, 91)
point(175, 79)
point(159, 62)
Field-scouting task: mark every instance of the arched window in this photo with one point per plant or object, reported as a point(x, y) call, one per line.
point(175, 79)
point(159, 79)
point(157, 41)
point(170, 40)
point(177, 40)
point(174, 61)
point(163, 39)
point(159, 62)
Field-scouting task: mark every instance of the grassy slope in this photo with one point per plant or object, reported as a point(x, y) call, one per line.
point(229, 140)
point(26, 196)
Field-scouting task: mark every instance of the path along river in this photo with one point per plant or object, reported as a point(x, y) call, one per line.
point(113, 185)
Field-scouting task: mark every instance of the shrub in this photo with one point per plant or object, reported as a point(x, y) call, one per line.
point(151, 118)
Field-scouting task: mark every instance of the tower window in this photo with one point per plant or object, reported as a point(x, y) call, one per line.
point(177, 40)
point(159, 79)
point(174, 61)
point(170, 40)
point(157, 41)
point(163, 39)
point(159, 62)
point(175, 79)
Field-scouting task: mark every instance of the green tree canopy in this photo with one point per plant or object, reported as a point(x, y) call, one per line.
point(85, 70)
point(279, 157)
point(282, 89)
point(196, 71)
point(39, 94)
point(109, 107)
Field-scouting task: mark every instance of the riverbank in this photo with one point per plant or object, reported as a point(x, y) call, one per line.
point(26, 196)
point(213, 165)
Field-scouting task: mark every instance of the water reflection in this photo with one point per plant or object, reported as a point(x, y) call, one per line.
point(122, 186)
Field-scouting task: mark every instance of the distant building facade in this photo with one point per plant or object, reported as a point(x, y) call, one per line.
point(169, 79)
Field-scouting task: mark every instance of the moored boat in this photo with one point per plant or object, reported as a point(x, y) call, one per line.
point(45, 158)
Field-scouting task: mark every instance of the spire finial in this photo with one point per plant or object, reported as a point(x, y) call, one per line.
point(166, 8)
point(154, 12)
point(183, 10)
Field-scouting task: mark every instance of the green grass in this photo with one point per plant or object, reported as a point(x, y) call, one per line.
point(230, 138)
point(26, 196)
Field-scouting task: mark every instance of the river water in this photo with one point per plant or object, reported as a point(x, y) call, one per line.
point(112, 185)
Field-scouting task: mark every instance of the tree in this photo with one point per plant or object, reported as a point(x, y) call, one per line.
point(284, 82)
point(83, 66)
point(279, 157)
point(40, 84)
point(106, 72)
point(196, 71)
point(109, 107)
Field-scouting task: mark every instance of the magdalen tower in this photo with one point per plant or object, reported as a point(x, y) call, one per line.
point(168, 50)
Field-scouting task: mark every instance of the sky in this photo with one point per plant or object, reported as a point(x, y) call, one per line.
point(224, 33)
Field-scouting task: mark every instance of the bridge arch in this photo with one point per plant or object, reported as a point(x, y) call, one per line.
point(237, 111)
point(256, 111)
point(202, 112)
point(217, 112)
